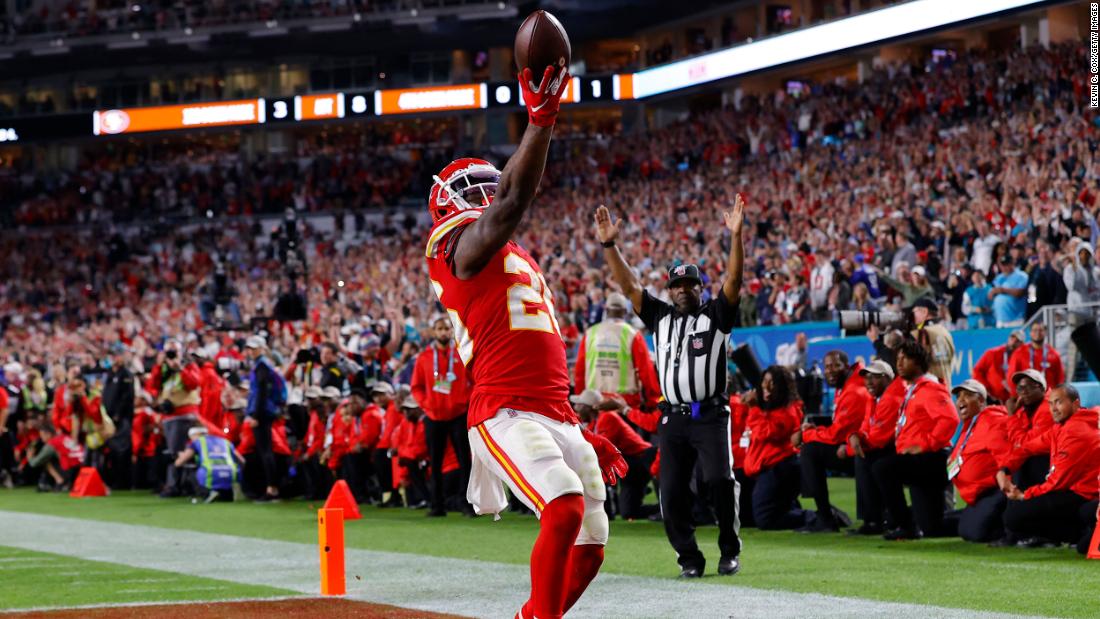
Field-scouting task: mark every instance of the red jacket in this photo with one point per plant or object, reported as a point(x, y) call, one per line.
point(929, 419)
point(211, 385)
point(984, 447)
point(390, 422)
point(438, 400)
point(341, 436)
point(410, 441)
point(64, 409)
point(1074, 457)
point(1029, 435)
point(70, 453)
point(145, 433)
point(877, 429)
point(279, 445)
point(853, 404)
point(370, 426)
point(644, 369)
point(190, 377)
point(738, 417)
point(315, 435)
point(770, 436)
point(992, 371)
point(1048, 361)
point(610, 425)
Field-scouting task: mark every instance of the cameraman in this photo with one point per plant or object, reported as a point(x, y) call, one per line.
point(334, 370)
point(218, 292)
point(266, 396)
point(175, 384)
point(934, 337)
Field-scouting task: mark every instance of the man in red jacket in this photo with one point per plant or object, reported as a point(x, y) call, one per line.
point(382, 394)
point(992, 368)
point(873, 441)
point(926, 423)
point(441, 387)
point(979, 451)
point(1050, 510)
point(819, 445)
point(605, 416)
point(1038, 355)
point(411, 447)
point(1028, 426)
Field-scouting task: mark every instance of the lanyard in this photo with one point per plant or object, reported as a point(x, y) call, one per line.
point(450, 364)
point(1004, 371)
point(969, 431)
point(904, 404)
point(1044, 364)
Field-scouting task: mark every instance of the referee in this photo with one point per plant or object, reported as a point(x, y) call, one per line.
point(690, 338)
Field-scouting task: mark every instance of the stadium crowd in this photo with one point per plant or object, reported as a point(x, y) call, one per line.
point(963, 188)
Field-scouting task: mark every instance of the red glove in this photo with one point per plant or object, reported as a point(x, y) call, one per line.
point(612, 464)
point(542, 99)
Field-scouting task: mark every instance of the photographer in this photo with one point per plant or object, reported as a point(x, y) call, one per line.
point(934, 338)
point(266, 397)
point(334, 369)
point(218, 292)
point(175, 384)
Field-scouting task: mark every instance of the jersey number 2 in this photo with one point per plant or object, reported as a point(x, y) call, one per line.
point(530, 306)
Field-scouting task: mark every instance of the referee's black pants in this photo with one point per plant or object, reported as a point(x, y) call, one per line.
point(926, 476)
point(816, 460)
point(684, 441)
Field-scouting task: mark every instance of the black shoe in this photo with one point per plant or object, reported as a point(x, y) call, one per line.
point(691, 572)
point(420, 505)
point(867, 528)
point(901, 533)
point(436, 513)
point(1004, 542)
point(819, 525)
point(656, 517)
point(169, 494)
point(469, 512)
point(1037, 542)
point(841, 517)
point(729, 567)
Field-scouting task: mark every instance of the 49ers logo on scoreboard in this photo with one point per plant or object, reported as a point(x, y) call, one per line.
point(114, 121)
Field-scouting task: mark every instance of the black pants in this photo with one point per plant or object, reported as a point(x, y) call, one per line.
point(1032, 472)
point(816, 460)
point(438, 433)
point(118, 475)
point(684, 440)
point(264, 451)
point(1088, 525)
point(981, 522)
point(744, 507)
point(775, 496)
point(318, 479)
point(1053, 515)
point(632, 487)
point(175, 441)
point(926, 476)
point(869, 504)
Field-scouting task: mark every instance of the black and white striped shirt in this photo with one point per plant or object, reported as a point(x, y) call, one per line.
point(691, 348)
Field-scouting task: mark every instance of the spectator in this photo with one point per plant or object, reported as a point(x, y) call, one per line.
point(175, 384)
point(1082, 280)
point(266, 396)
point(118, 402)
point(605, 416)
point(819, 444)
point(411, 451)
point(1049, 511)
point(977, 302)
point(1046, 283)
point(58, 459)
point(1028, 427)
point(873, 441)
point(1009, 294)
point(934, 338)
point(1038, 355)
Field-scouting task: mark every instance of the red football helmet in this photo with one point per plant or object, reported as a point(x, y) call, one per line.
point(461, 181)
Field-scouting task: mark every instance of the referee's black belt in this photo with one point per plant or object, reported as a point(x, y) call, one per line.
point(717, 401)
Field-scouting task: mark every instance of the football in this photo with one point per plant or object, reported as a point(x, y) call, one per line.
point(541, 42)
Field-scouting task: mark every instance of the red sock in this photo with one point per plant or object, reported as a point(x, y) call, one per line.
point(584, 564)
point(558, 528)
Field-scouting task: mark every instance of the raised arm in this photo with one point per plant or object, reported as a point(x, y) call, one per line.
point(518, 181)
point(607, 231)
point(735, 266)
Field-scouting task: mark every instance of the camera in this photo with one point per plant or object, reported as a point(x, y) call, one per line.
point(861, 320)
point(171, 354)
point(307, 355)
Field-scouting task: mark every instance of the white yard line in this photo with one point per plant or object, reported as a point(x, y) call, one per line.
point(456, 586)
point(140, 604)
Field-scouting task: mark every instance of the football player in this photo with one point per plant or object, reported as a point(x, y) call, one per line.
point(522, 430)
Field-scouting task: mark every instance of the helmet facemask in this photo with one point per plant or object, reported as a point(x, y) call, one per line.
point(476, 182)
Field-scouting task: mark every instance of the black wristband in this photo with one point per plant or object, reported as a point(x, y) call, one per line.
point(608, 244)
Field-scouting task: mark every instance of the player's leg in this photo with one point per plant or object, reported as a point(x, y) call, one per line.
point(522, 452)
point(586, 556)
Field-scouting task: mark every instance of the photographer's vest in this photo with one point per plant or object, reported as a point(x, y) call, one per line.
point(217, 469)
point(174, 391)
point(609, 364)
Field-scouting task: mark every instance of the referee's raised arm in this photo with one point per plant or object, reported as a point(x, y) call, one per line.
point(608, 232)
point(735, 265)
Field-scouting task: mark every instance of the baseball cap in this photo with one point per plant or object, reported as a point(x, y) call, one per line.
point(924, 302)
point(255, 341)
point(409, 402)
point(616, 299)
point(878, 367)
point(362, 393)
point(972, 386)
point(1018, 334)
point(919, 270)
point(330, 393)
point(1033, 374)
point(197, 431)
point(588, 397)
point(682, 272)
point(313, 392)
point(1006, 259)
point(382, 387)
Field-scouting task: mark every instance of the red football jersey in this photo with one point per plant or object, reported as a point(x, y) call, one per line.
point(506, 330)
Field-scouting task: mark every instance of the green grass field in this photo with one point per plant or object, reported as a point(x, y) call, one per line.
point(940, 572)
